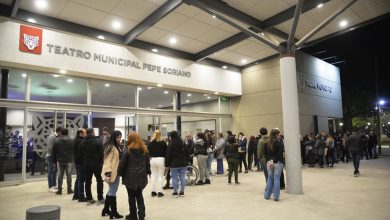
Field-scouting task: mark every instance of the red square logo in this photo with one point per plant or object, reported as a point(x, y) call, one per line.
point(30, 39)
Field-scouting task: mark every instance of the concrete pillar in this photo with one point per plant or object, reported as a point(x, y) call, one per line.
point(177, 103)
point(288, 76)
point(24, 150)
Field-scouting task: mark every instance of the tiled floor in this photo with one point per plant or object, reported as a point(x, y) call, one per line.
point(329, 193)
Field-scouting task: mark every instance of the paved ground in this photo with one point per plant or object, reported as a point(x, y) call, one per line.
point(328, 194)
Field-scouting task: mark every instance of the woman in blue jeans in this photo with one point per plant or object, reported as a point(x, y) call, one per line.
point(110, 171)
point(274, 157)
point(177, 159)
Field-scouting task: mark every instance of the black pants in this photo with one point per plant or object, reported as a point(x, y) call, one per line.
point(88, 172)
point(243, 159)
point(136, 196)
point(233, 167)
point(330, 157)
point(365, 152)
point(251, 155)
point(282, 183)
point(345, 155)
point(168, 178)
point(321, 160)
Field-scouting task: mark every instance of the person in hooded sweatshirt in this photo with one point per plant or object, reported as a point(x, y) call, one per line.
point(134, 167)
point(63, 155)
point(201, 154)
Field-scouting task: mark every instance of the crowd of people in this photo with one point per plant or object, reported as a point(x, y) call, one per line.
point(110, 159)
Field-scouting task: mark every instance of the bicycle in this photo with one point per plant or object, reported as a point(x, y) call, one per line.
point(192, 174)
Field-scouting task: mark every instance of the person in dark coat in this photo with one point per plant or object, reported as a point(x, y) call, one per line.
point(63, 155)
point(134, 167)
point(177, 160)
point(232, 157)
point(80, 179)
point(91, 160)
point(356, 145)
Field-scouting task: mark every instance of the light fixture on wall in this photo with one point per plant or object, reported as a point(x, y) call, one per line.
point(24, 75)
point(41, 4)
point(32, 20)
point(55, 75)
point(62, 71)
point(101, 37)
point(107, 85)
point(166, 92)
point(189, 94)
point(139, 88)
point(187, 101)
point(69, 80)
point(208, 97)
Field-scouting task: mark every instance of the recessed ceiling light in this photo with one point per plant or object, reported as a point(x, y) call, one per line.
point(214, 16)
point(189, 94)
point(24, 75)
point(205, 94)
point(139, 89)
point(107, 85)
point(320, 5)
point(101, 37)
point(31, 20)
point(159, 105)
point(172, 40)
point(224, 67)
point(149, 87)
point(187, 101)
point(166, 92)
point(343, 23)
point(262, 33)
point(62, 71)
point(243, 61)
point(155, 50)
point(208, 97)
point(116, 24)
point(216, 93)
point(55, 75)
point(41, 4)
point(159, 85)
point(69, 80)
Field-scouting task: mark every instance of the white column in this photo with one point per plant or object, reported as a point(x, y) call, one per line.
point(288, 76)
point(89, 92)
point(219, 112)
point(137, 98)
point(89, 119)
point(24, 150)
point(28, 88)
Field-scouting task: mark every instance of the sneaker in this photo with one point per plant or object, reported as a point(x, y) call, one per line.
point(83, 199)
point(91, 201)
point(75, 198)
point(181, 194)
point(174, 194)
point(101, 201)
point(276, 200)
point(70, 192)
point(154, 194)
point(160, 194)
point(207, 181)
point(246, 171)
point(237, 182)
point(199, 183)
point(52, 189)
point(59, 192)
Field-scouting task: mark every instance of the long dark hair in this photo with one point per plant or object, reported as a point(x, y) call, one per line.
point(272, 139)
point(111, 143)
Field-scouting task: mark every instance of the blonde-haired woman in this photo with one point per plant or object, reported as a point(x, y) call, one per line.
point(157, 151)
point(134, 168)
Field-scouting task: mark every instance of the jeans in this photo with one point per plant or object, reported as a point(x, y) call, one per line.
point(88, 172)
point(79, 183)
point(51, 172)
point(157, 165)
point(273, 182)
point(265, 170)
point(134, 196)
point(220, 166)
point(257, 162)
point(321, 160)
point(178, 172)
point(202, 165)
point(113, 187)
point(233, 167)
point(67, 168)
point(243, 159)
point(209, 161)
point(356, 161)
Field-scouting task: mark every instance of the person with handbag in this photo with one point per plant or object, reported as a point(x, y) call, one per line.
point(134, 167)
point(112, 154)
point(274, 156)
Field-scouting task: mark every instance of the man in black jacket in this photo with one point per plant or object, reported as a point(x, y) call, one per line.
point(91, 160)
point(356, 144)
point(63, 155)
point(80, 179)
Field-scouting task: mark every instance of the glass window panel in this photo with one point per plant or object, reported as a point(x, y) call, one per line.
point(155, 98)
point(16, 84)
point(58, 88)
point(113, 93)
point(199, 102)
point(225, 105)
point(198, 124)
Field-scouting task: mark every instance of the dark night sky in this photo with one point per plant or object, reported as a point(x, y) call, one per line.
point(358, 48)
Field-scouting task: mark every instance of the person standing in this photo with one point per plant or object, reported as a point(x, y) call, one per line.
point(242, 141)
point(372, 143)
point(201, 154)
point(274, 157)
point(52, 167)
point(62, 153)
point(190, 146)
point(177, 160)
point(251, 152)
point(157, 151)
point(330, 154)
point(356, 145)
point(232, 157)
point(260, 151)
point(320, 146)
point(218, 152)
point(105, 135)
point(208, 142)
point(91, 159)
point(112, 155)
point(79, 182)
point(134, 167)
